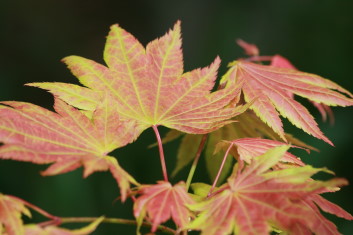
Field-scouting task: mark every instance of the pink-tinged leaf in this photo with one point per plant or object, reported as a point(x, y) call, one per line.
point(163, 201)
point(149, 85)
point(33, 229)
point(281, 62)
point(245, 149)
point(78, 96)
point(66, 138)
point(250, 49)
point(273, 88)
point(11, 210)
point(255, 199)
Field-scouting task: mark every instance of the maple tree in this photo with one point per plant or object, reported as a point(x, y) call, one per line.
point(258, 186)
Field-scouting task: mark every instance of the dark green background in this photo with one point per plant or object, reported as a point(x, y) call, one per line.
point(317, 36)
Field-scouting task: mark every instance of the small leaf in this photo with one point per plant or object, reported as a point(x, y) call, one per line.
point(187, 151)
point(34, 229)
point(11, 210)
point(246, 149)
point(163, 201)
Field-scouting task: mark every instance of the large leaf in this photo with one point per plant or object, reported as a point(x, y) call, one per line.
point(11, 210)
point(255, 199)
point(149, 85)
point(67, 138)
point(272, 87)
point(162, 201)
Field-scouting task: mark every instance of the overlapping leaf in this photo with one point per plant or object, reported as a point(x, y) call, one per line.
point(11, 210)
point(247, 125)
point(272, 88)
point(163, 201)
point(34, 229)
point(255, 199)
point(245, 149)
point(149, 85)
point(281, 62)
point(67, 138)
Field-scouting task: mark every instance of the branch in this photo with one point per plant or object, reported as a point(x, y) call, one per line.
point(160, 228)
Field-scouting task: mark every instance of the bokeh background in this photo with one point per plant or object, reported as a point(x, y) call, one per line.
point(317, 36)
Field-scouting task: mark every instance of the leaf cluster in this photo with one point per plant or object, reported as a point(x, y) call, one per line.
point(237, 125)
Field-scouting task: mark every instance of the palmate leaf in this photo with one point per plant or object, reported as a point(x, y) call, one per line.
point(248, 125)
point(11, 210)
point(34, 229)
point(67, 138)
point(255, 199)
point(245, 149)
point(272, 87)
point(162, 201)
point(149, 85)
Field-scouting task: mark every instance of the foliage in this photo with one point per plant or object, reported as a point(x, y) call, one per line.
point(269, 188)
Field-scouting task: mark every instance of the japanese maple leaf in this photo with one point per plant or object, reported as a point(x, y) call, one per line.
point(245, 149)
point(67, 138)
point(11, 210)
point(281, 62)
point(34, 229)
point(149, 85)
point(162, 201)
point(271, 87)
point(256, 198)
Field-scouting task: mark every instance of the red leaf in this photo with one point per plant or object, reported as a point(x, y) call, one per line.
point(163, 201)
point(67, 138)
point(272, 87)
point(149, 85)
point(254, 199)
point(11, 209)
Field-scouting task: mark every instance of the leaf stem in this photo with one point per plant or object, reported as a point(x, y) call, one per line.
point(161, 228)
point(220, 170)
point(195, 162)
point(161, 153)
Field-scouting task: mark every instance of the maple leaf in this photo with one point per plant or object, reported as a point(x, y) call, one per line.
point(281, 62)
point(67, 138)
point(271, 87)
point(163, 201)
point(256, 198)
point(149, 85)
point(34, 229)
point(247, 125)
point(11, 209)
point(245, 149)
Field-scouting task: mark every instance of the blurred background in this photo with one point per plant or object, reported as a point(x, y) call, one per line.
point(316, 36)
